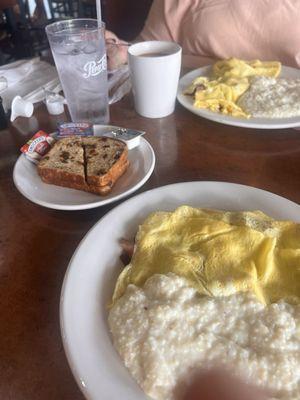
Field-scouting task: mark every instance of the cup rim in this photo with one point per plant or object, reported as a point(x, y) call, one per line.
point(177, 49)
point(49, 27)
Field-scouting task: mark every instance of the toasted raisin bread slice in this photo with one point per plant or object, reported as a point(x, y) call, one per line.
point(104, 190)
point(106, 160)
point(64, 163)
point(71, 159)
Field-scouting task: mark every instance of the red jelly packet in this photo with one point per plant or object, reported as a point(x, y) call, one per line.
point(37, 146)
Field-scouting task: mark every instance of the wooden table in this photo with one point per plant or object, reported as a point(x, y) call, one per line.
point(36, 243)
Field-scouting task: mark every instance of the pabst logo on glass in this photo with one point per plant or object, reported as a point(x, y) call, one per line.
point(93, 68)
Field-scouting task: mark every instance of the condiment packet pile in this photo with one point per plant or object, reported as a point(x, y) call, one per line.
point(41, 142)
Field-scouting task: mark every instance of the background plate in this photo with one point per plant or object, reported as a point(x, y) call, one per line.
point(28, 182)
point(93, 270)
point(257, 123)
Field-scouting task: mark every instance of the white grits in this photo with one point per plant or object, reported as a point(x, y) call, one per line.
point(272, 98)
point(165, 329)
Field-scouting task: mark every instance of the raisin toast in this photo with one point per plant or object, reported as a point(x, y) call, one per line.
point(63, 165)
point(88, 163)
point(106, 160)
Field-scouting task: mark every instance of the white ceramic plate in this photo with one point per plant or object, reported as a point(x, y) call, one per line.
point(28, 182)
point(257, 123)
point(93, 270)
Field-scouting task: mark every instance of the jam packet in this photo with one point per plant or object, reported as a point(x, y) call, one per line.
point(74, 128)
point(37, 146)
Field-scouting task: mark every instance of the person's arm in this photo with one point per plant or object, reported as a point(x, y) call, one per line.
point(116, 50)
point(155, 28)
point(163, 23)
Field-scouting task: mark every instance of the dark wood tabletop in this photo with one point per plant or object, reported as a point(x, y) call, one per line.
point(37, 243)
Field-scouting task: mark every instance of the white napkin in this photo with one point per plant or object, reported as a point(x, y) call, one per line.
point(3, 83)
point(18, 70)
point(39, 94)
point(27, 78)
point(118, 84)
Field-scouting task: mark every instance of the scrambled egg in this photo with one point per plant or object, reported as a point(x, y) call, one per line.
point(231, 78)
point(220, 253)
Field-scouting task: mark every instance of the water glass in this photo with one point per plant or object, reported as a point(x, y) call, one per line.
point(78, 48)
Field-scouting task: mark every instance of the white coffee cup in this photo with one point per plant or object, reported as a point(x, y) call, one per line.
point(154, 70)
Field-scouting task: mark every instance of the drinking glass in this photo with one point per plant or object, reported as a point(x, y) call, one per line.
point(78, 48)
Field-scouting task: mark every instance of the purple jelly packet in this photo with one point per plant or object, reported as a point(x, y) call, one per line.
point(75, 128)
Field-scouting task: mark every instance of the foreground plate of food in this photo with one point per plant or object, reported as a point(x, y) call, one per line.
point(28, 182)
point(251, 122)
point(93, 271)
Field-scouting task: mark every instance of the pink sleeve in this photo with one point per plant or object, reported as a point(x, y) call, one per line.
point(164, 20)
point(155, 27)
point(218, 29)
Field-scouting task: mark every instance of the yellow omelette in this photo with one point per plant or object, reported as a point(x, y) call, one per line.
point(230, 79)
point(220, 253)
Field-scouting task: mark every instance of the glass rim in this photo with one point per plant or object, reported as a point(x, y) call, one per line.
point(69, 22)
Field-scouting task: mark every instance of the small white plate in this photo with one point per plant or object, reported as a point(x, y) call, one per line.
point(257, 123)
point(95, 265)
point(28, 182)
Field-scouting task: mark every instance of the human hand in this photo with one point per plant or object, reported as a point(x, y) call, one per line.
point(116, 51)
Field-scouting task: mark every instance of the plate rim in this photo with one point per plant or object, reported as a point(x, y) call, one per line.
point(62, 311)
point(227, 119)
point(96, 204)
